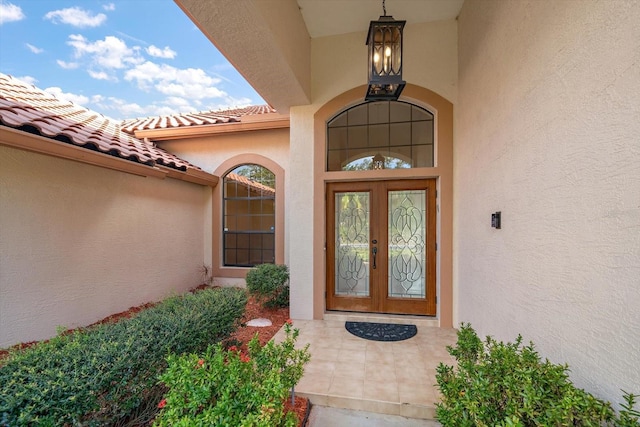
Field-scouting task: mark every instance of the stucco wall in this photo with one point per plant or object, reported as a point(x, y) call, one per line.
point(220, 154)
point(547, 131)
point(78, 242)
point(338, 65)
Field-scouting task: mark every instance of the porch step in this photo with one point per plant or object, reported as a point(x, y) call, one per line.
point(419, 321)
point(408, 410)
point(394, 378)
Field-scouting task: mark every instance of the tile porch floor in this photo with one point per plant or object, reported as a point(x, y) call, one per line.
point(396, 378)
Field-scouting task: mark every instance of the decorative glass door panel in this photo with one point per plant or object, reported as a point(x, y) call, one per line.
point(352, 243)
point(406, 261)
point(381, 246)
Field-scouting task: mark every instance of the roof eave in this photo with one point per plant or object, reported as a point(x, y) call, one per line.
point(39, 144)
point(187, 132)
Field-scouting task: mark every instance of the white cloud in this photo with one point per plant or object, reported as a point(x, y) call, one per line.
point(167, 52)
point(9, 12)
point(109, 7)
point(190, 83)
point(76, 17)
point(101, 75)
point(111, 52)
point(229, 103)
point(34, 49)
point(28, 79)
point(123, 108)
point(67, 65)
point(67, 96)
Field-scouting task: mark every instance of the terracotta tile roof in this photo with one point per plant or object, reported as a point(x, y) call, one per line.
point(251, 184)
point(27, 108)
point(194, 119)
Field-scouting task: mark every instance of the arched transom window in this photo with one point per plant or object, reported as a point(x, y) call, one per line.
point(380, 135)
point(249, 216)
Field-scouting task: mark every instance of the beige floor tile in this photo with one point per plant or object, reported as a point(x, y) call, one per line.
point(358, 345)
point(419, 394)
point(386, 391)
point(314, 383)
point(412, 374)
point(322, 353)
point(379, 372)
point(406, 348)
point(348, 355)
point(387, 377)
point(317, 366)
point(346, 387)
point(354, 370)
point(379, 346)
point(375, 356)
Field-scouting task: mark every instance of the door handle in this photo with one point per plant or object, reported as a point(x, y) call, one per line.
point(375, 251)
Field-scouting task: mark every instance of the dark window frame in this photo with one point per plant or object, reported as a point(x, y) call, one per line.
point(248, 231)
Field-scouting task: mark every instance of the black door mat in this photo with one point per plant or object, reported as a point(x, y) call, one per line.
point(381, 331)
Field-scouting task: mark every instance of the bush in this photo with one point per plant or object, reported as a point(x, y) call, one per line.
point(270, 283)
point(497, 384)
point(107, 374)
point(230, 388)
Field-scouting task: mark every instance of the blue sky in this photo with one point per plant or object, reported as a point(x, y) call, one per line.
point(124, 59)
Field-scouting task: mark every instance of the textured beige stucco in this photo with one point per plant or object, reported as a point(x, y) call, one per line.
point(78, 242)
point(548, 133)
point(339, 65)
point(266, 40)
point(220, 154)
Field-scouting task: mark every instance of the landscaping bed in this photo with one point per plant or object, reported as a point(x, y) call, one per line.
point(107, 374)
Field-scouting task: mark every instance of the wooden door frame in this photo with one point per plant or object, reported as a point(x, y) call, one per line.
point(378, 300)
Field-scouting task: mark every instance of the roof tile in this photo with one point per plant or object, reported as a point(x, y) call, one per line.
point(194, 119)
point(22, 104)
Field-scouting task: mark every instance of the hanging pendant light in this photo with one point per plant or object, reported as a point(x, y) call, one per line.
point(384, 43)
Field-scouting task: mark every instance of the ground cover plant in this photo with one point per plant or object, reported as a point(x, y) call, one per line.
point(232, 388)
point(270, 284)
point(507, 384)
point(107, 374)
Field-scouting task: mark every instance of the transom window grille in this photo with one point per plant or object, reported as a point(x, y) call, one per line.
point(380, 135)
point(249, 216)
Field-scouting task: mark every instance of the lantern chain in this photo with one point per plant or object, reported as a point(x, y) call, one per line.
point(384, 8)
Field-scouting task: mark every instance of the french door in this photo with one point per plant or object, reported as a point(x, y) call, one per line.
point(381, 246)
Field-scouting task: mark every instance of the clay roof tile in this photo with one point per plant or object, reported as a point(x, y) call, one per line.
point(22, 105)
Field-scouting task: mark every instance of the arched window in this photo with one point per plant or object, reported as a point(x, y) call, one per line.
point(249, 216)
point(380, 135)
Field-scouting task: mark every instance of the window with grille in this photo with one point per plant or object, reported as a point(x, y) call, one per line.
point(249, 216)
point(380, 135)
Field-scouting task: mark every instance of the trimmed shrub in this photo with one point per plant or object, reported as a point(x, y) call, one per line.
point(107, 374)
point(230, 388)
point(270, 284)
point(498, 384)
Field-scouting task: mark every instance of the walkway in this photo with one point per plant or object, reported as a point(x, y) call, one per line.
point(393, 378)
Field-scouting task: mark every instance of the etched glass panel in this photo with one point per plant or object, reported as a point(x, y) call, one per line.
point(352, 244)
point(407, 232)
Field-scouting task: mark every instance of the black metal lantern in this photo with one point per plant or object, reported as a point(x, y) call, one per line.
point(384, 43)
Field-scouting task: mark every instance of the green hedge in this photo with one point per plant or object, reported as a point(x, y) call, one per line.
point(107, 374)
point(270, 284)
point(507, 384)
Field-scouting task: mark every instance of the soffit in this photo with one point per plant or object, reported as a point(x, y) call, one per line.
point(269, 41)
point(265, 40)
point(332, 17)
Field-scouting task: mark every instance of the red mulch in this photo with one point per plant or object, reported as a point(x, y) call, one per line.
point(278, 317)
point(243, 335)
